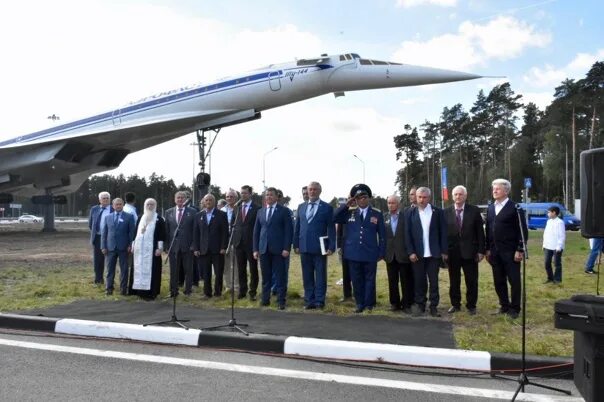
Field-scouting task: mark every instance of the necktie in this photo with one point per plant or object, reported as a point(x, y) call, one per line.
point(362, 213)
point(179, 215)
point(117, 218)
point(270, 213)
point(310, 212)
point(243, 212)
point(97, 226)
point(458, 219)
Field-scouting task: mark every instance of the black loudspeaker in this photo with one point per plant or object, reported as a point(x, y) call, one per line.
point(592, 193)
point(589, 365)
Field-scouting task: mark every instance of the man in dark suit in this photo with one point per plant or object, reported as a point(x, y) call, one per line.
point(179, 235)
point(116, 242)
point(466, 249)
point(364, 245)
point(426, 242)
point(314, 222)
point(96, 223)
point(243, 241)
point(273, 233)
point(210, 240)
point(504, 246)
point(398, 265)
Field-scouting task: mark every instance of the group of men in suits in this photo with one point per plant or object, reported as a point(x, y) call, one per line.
point(414, 243)
point(423, 237)
point(112, 232)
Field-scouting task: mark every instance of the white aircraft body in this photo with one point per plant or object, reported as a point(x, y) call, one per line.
point(59, 159)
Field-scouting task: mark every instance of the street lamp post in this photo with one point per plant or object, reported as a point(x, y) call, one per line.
point(264, 166)
point(360, 160)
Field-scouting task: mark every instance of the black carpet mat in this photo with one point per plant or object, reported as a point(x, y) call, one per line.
point(315, 324)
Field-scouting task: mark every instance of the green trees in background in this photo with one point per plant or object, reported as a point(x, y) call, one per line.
point(487, 142)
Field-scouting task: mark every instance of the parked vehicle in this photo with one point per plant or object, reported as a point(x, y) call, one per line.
point(30, 219)
point(536, 213)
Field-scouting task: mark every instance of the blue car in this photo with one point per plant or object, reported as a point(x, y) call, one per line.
point(536, 213)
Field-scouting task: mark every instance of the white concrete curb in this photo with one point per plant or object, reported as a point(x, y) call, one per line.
point(388, 353)
point(137, 332)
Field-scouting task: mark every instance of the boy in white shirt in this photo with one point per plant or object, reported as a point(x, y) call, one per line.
point(554, 237)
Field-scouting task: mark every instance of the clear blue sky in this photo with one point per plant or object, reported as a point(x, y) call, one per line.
point(73, 58)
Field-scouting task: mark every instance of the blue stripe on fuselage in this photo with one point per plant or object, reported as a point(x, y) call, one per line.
point(153, 103)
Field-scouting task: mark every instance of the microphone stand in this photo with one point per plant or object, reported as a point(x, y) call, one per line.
point(173, 320)
point(232, 324)
point(523, 378)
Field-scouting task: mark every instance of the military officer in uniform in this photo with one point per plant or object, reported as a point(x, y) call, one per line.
point(364, 245)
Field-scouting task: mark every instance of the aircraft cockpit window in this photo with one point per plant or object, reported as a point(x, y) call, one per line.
point(355, 56)
point(348, 57)
point(367, 62)
point(342, 57)
point(308, 62)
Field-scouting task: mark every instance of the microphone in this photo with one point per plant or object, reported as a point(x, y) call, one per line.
point(238, 203)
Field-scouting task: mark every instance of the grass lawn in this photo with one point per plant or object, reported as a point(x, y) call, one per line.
point(39, 270)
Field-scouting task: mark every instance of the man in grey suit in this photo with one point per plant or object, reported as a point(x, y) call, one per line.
point(116, 242)
point(96, 222)
point(179, 235)
point(314, 221)
point(398, 265)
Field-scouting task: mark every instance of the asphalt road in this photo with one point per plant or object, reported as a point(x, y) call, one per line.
point(40, 367)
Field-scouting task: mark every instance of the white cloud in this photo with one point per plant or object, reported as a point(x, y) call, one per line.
point(541, 99)
point(504, 37)
point(474, 44)
point(549, 76)
point(415, 3)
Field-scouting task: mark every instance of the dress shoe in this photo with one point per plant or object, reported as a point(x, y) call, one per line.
point(109, 292)
point(417, 311)
point(252, 297)
point(309, 307)
point(358, 310)
point(434, 312)
point(453, 309)
point(320, 306)
point(187, 294)
point(472, 311)
point(500, 311)
point(394, 307)
point(265, 304)
point(281, 307)
point(124, 292)
point(513, 314)
point(240, 296)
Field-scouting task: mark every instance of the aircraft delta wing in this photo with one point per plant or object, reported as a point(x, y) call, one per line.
point(59, 159)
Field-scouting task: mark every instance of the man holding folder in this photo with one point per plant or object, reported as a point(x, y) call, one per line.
point(314, 240)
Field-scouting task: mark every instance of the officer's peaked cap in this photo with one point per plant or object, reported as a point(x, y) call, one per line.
point(360, 189)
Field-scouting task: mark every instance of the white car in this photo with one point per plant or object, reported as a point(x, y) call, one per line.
point(30, 219)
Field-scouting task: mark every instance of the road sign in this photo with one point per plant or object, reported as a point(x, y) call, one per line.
point(16, 206)
point(528, 183)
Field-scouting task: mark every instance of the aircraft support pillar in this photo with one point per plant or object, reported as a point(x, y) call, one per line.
point(49, 216)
